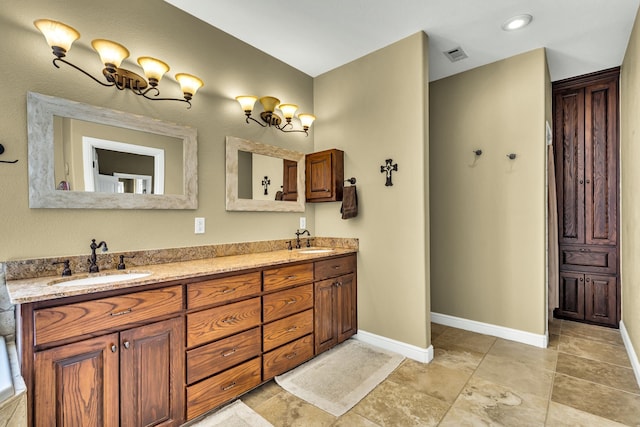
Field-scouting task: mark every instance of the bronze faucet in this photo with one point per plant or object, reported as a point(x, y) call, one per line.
point(300, 233)
point(93, 267)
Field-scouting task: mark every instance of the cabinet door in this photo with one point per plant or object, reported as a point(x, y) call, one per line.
point(290, 180)
point(601, 172)
point(77, 384)
point(572, 295)
point(324, 173)
point(569, 157)
point(600, 299)
point(346, 303)
point(325, 315)
point(152, 374)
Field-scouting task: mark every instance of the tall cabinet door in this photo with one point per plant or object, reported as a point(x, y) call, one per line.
point(601, 174)
point(152, 365)
point(569, 137)
point(77, 384)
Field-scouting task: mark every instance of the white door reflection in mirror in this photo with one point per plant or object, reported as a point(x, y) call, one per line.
point(134, 164)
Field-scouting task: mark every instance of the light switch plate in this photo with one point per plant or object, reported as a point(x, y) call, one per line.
point(199, 226)
point(303, 222)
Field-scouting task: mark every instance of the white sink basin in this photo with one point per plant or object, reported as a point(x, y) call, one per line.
point(100, 278)
point(315, 251)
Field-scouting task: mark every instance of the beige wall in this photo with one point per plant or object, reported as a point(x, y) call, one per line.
point(630, 177)
point(488, 213)
point(147, 27)
point(376, 108)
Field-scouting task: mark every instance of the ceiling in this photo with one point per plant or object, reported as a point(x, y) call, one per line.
point(580, 36)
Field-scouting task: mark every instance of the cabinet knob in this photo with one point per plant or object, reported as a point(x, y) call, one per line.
point(581, 279)
point(588, 279)
point(588, 181)
point(581, 182)
point(114, 348)
point(126, 344)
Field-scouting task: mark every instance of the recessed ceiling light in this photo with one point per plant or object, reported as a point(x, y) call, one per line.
point(517, 22)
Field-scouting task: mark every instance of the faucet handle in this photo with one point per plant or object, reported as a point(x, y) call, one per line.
point(66, 271)
point(121, 265)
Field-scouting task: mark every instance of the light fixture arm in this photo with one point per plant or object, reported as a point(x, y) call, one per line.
point(269, 122)
point(55, 63)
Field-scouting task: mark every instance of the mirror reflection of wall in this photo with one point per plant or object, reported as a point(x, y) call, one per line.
point(252, 170)
point(68, 158)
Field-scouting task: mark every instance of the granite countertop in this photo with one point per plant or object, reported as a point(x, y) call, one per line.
point(45, 288)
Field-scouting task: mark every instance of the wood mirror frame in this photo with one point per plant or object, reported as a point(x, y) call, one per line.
point(233, 203)
point(41, 110)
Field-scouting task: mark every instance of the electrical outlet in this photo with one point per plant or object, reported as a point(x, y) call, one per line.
point(199, 226)
point(303, 222)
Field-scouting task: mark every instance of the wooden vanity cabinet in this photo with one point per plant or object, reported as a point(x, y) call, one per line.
point(335, 302)
point(287, 334)
point(324, 176)
point(133, 377)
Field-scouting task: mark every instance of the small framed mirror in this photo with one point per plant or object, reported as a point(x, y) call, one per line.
point(263, 177)
point(87, 157)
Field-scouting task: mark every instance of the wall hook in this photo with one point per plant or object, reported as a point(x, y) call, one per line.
point(6, 161)
point(511, 156)
point(351, 181)
point(478, 152)
point(388, 168)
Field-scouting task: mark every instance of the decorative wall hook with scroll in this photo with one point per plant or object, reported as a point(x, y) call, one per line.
point(351, 181)
point(6, 161)
point(478, 152)
point(388, 169)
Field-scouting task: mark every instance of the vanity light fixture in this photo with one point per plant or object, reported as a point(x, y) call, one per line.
point(60, 36)
point(268, 116)
point(517, 22)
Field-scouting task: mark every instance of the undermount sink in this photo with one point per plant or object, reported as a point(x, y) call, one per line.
point(100, 278)
point(315, 251)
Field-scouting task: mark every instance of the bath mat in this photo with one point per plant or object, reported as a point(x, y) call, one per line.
point(338, 379)
point(236, 414)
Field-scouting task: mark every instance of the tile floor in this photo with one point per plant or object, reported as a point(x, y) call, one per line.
point(583, 378)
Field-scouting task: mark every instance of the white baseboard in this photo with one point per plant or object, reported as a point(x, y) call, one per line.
point(633, 356)
point(493, 330)
point(423, 355)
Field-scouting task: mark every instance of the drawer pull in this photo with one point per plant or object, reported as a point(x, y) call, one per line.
point(113, 348)
point(291, 329)
point(292, 276)
point(230, 319)
point(291, 355)
point(229, 353)
point(336, 267)
point(292, 301)
point(229, 290)
point(126, 344)
point(229, 387)
point(120, 313)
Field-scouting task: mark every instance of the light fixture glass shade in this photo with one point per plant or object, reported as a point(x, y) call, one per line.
point(246, 102)
point(111, 53)
point(57, 34)
point(517, 22)
point(269, 103)
point(288, 110)
point(306, 120)
point(153, 68)
point(189, 83)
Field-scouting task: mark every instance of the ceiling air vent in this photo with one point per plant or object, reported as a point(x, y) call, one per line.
point(455, 54)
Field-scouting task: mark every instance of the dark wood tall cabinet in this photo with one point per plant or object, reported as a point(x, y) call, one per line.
point(586, 155)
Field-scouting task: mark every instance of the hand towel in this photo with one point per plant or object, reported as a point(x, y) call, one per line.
point(349, 207)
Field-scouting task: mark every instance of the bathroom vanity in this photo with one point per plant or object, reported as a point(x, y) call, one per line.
point(188, 337)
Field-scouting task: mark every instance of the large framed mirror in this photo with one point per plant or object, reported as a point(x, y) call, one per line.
point(87, 157)
point(263, 177)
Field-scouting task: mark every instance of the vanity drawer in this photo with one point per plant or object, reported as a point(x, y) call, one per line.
point(284, 303)
point(67, 321)
point(334, 267)
point(278, 278)
point(216, 291)
point(287, 357)
point(220, 322)
point(593, 258)
point(288, 329)
point(223, 387)
point(220, 355)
